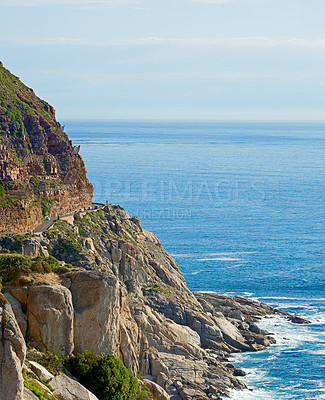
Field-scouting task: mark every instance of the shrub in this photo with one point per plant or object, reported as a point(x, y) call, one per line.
point(12, 264)
point(25, 281)
point(4, 251)
point(52, 362)
point(106, 377)
point(3, 300)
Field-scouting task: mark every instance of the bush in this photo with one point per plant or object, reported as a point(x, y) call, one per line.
point(12, 265)
point(3, 300)
point(4, 251)
point(106, 377)
point(52, 362)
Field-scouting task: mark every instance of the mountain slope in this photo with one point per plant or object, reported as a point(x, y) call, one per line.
point(41, 172)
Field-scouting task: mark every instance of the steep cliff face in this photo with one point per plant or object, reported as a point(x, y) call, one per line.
point(41, 172)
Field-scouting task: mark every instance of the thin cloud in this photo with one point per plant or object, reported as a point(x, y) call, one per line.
point(82, 3)
point(253, 41)
point(211, 1)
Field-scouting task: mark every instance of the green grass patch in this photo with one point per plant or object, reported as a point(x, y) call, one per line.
point(37, 389)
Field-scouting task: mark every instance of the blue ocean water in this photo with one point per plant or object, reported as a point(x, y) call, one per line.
point(241, 208)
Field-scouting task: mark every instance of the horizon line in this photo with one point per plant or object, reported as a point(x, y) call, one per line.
point(191, 120)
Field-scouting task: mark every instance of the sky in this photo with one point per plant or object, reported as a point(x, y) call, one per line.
point(163, 59)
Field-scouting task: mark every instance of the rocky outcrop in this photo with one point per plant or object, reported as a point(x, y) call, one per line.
point(96, 304)
point(157, 391)
point(130, 299)
point(70, 389)
point(50, 319)
point(12, 356)
point(41, 172)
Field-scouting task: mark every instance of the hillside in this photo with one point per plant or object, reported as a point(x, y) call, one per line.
point(41, 172)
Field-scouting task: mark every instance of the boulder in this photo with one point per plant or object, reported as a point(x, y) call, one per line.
point(231, 334)
point(29, 395)
point(12, 356)
point(70, 389)
point(157, 391)
point(18, 311)
point(96, 301)
point(50, 318)
point(40, 371)
point(89, 244)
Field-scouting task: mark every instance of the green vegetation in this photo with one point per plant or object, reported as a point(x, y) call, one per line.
point(37, 389)
point(106, 377)
point(154, 288)
point(3, 300)
point(2, 190)
point(6, 198)
point(13, 265)
point(54, 363)
point(46, 206)
point(100, 214)
point(13, 243)
point(23, 112)
point(16, 98)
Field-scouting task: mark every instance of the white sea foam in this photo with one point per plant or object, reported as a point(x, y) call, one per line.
point(287, 335)
point(258, 394)
point(318, 318)
point(230, 254)
point(206, 291)
point(219, 259)
point(208, 255)
point(194, 273)
point(229, 294)
point(292, 298)
point(317, 352)
point(234, 266)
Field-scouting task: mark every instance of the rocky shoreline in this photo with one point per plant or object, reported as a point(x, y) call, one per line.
point(126, 296)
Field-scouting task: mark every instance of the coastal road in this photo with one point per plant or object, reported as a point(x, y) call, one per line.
point(48, 223)
point(45, 225)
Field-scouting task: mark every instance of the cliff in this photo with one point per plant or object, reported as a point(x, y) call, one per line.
point(41, 172)
point(126, 296)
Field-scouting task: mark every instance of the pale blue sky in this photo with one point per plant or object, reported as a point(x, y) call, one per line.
point(180, 59)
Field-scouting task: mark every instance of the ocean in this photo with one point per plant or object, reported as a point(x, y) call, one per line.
point(241, 207)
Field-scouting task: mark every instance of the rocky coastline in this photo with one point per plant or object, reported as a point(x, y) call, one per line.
point(126, 296)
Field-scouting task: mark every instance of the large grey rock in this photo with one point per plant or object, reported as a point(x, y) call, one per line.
point(12, 356)
point(18, 311)
point(70, 389)
point(29, 395)
point(50, 318)
point(231, 334)
point(157, 391)
point(96, 301)
point(40, 371)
